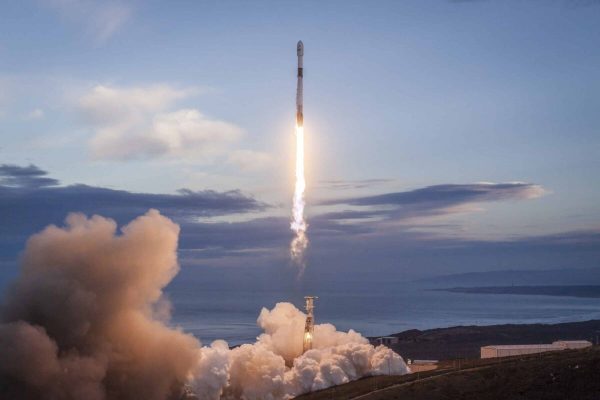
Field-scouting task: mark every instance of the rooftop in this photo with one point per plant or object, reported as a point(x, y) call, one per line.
point(520, 346)
point(573, 341)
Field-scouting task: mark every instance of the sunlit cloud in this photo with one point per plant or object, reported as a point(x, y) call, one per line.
point(140, 123)
point(146, 122)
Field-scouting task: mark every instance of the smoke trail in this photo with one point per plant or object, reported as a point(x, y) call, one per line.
point(298, 225)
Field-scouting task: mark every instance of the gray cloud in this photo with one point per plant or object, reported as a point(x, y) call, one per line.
point(338, 184)
point(34, 200)
point(30, 188)
point(29, 200)
point(30, 176)
point(448, 194)
point(352, 250)
point(430, 200)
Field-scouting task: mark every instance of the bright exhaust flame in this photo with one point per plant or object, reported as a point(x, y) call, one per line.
point(298, 225)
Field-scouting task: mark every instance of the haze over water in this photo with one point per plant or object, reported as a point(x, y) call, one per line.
point(227, 309)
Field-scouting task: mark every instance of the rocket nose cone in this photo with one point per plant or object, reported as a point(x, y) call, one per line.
point(300, 48)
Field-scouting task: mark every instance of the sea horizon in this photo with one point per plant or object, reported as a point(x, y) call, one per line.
point(222, 310)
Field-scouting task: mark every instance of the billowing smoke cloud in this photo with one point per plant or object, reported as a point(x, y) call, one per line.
point(86, 320)
point(81, 321)
point(275, 368)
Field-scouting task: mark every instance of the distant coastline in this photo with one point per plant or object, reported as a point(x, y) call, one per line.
point(465, 341)
point(586, 291)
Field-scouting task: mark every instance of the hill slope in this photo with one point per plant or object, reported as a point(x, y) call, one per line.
point(562, 375)
point(465, 341)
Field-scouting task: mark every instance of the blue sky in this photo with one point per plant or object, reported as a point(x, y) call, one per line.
point(412, 103)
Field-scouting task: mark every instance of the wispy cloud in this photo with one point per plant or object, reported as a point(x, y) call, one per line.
point(99, 19)
point(449, 194)
point(431, 200)
point(339, 184)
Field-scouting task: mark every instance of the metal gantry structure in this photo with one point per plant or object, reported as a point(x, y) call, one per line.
point(309, 326)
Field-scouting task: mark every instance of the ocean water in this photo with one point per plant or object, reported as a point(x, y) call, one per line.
point(224, 304)
point(228, 308)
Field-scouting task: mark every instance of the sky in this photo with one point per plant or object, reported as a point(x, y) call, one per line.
point(442, 136)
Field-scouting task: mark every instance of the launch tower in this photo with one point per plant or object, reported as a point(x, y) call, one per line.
point(309, 326)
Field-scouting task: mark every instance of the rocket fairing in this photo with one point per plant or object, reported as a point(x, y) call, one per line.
point(299, 99)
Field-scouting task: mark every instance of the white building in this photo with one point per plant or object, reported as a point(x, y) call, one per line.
point(521, 349)
point(386, 340)
point(572, 344)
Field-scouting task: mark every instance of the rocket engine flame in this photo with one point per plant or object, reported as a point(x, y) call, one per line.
point(298, 225)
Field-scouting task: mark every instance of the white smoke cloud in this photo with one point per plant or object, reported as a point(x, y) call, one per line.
point(86, 320)
point(275, 368)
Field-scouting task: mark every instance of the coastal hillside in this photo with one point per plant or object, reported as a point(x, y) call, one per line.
point(563, 375)
point(465, 341)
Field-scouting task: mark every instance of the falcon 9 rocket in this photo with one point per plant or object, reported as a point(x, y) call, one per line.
point(298, 224)
point(299, 100)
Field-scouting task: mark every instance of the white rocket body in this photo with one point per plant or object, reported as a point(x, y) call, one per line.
point(299, 99)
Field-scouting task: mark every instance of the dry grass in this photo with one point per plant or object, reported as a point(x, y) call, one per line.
point(573, 374)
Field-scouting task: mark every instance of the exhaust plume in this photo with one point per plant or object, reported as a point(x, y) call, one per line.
point(81, 321)
point(86, 319)
point(275, 368)
point(298, 225)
